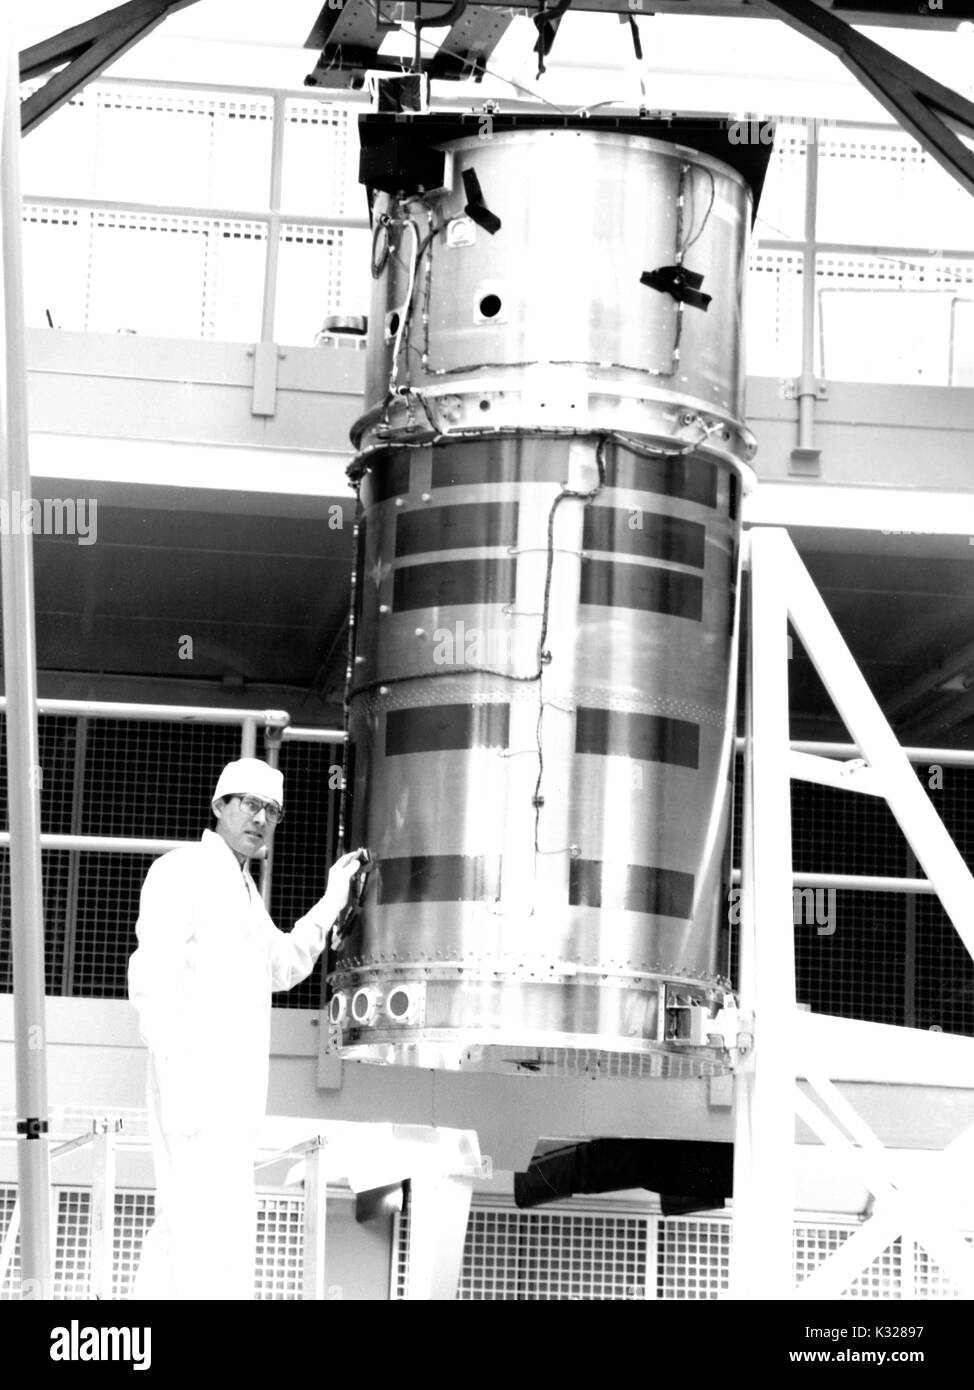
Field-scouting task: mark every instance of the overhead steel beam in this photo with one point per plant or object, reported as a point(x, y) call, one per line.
point(899, 14)
point(473, 36)
point(86, 49)
point(920, 105)
point(350, 35)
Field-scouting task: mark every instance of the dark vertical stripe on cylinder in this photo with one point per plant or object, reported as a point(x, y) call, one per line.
point(440, 878)
point(453, 582)
point(646, 736)
point(693, 479)
point(389, 477)
point(456, 528)
point(437, 728)
point(735, 496)
point(647, 534)
point(621, 585)
point(631, 888)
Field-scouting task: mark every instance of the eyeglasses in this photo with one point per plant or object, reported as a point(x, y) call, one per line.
point(253, 806)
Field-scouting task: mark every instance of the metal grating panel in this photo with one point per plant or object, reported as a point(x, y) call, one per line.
point(56, 747)
point(56, 252)
point(8, 1200)
point(305, 846)
point(545, 1256)
point(54, 887)
point(159, 274)
point(930, 1281)
point(321, 270)
point(107, 911)
point(597, 1255)
point(850, 952)
point(152, 780)
point(183, 147)
point(72, 1264)
point(781, 211)
point(877, 186)
point(280, 1243)
point(864, 302)
point(882, 957)
point(773, 313)
point(134, 1214)
point(400, 1239)
point(280, 1248)
point(153, 273)
point(813, 1244)
point(883, 1279)
point(693, 1258)
point(321, 152)
point(139, 779)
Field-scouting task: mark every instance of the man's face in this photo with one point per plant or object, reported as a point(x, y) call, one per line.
point(245, 831)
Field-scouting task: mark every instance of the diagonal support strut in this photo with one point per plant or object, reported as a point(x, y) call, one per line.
point(922, 106)
point(86, 50)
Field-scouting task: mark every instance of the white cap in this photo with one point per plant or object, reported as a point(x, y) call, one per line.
point(251, 777)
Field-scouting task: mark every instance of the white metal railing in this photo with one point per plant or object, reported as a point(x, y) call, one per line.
point(102, 1139)
point(270, 214)
point(278, 729)
point(274, 723)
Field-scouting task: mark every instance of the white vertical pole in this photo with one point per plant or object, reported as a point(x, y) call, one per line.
point(315, 1205)
point(272, 756)
point(248, 738)
point(273, 249)
point(762, 1265)
point(103, 1212)
point(807, 383)
point(23, 757)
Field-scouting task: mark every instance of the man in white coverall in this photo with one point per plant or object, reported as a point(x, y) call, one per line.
point(207, 960)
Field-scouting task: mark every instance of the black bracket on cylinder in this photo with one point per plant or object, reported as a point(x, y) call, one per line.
point(476, 208)
point(682, 284)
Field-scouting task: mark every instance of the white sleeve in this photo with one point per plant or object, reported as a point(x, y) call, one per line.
point(293, 954)
point(159, 969)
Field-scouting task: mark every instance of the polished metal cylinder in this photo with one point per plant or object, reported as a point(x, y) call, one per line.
point(542, 686)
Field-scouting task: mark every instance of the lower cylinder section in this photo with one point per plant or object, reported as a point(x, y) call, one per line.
point(541, 735)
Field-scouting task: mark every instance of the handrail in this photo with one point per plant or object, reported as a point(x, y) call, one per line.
point(126, 709)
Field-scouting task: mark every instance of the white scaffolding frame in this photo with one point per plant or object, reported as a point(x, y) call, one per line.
point(780, 1046)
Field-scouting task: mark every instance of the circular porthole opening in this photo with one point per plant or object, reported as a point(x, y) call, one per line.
point(363, 1006)
point(392, 325)
point(399, 1003)
point(490, 306)
point(336, 1009)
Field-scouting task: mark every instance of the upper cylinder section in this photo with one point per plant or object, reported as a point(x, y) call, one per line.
point(560, 274)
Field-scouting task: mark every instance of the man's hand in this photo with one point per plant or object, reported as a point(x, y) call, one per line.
point(341, 876)
point(342, 873)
